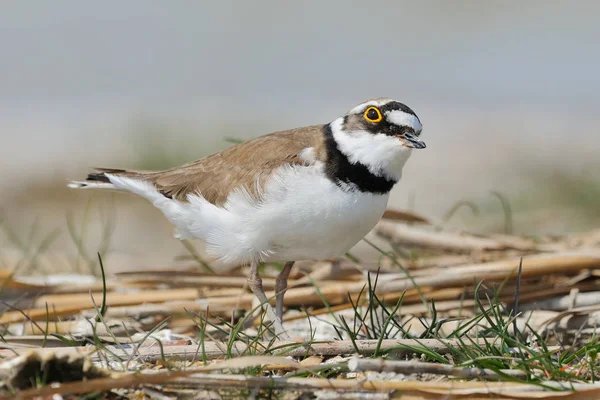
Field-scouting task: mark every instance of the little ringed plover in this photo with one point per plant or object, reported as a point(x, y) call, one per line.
point(308, 193)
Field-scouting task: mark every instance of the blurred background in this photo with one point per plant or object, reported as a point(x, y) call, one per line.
point(507, 92)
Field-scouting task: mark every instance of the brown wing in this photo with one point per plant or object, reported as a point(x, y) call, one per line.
point(246, 164)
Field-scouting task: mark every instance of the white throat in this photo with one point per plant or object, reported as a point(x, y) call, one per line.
point(383, 155)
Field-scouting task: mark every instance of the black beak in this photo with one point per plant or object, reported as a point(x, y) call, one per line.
point(411, 140)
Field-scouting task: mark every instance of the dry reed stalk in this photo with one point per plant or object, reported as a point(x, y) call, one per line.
point(33, 341)
point(227, 292)
point(117, 299)
point(6, 275)
point(336, 292)
point(214, 281)
point(37, 314)
point(40, 314)
point(566, 302)
point(61, 327)
point(520, 242)
point(534, 296)
point(134, 274)
point(224, 306)
point(404, 216)
point(8, 281)
point(94, 287)
point(418, 367)
point(413, 390)
point(410, 390)
point(79, 328)
point(579, 311)
point(536, 265)
point(166, 308)
point(215, 350)
point(435, 262)
point(298, 349)
point(446, 241)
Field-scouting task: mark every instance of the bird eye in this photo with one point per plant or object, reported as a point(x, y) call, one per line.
point(372, 114)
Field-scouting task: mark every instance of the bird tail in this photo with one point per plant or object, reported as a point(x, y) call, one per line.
point(98, 179)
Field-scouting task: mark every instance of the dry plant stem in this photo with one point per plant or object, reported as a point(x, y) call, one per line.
point(412, 389)
point(169, 309)
point(413, 237)
point(215, 350)
point(281, 287)
point(38, 314)
point(295, 349)
point(417, 367)
point(408, 389)
point(220, 281)
point(565, 302)
point(536, 265)
point(404, 216)
point(118, 299)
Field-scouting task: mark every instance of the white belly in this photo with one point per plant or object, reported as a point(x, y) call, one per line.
point(302, 216)
point(320, 221)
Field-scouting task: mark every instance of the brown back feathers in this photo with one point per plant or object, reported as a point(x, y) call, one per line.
point(247, 165)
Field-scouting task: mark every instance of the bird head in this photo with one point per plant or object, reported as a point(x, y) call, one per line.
point(380, 134)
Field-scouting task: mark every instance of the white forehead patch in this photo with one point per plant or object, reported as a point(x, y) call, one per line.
point(362, 107)
point(401, 118)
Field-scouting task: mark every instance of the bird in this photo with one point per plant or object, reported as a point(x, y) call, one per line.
point(307, 193)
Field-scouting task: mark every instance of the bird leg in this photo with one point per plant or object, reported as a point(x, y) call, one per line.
point(255, 284)
point(281, 288)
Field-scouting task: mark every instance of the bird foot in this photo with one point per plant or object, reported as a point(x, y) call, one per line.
point(277, 323)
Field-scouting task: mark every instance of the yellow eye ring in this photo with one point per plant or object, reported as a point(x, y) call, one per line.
point(372, 114)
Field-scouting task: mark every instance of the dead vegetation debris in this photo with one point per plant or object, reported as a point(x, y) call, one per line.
point(443, 314)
